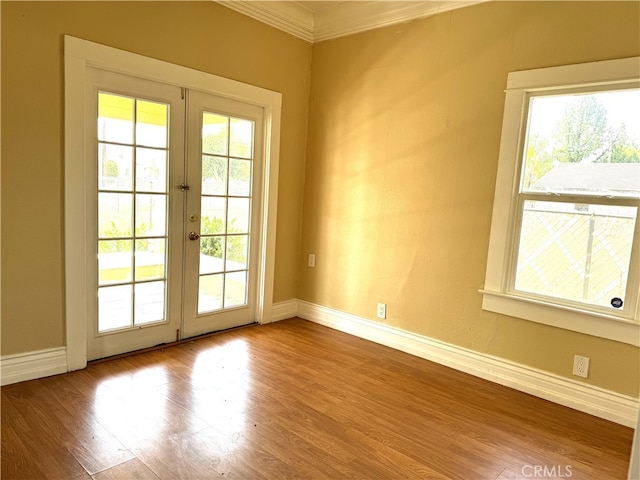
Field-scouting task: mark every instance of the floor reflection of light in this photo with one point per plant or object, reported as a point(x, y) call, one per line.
point(220, 383)
point(128, 405)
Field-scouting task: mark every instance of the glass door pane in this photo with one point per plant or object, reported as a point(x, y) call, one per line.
point(226, 157)
point(133, 207)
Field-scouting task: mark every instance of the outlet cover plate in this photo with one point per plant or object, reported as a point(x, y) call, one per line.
point(581, 366)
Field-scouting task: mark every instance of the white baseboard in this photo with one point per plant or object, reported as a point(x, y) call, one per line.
point(284, 310)
point(31, 365)
point(596, 401)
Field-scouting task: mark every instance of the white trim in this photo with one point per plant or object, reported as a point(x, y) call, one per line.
point(286, 16)
point(591, 323)
point(76, 201)
point(621, 326)
point(621, 70)
point(81, 54)
point(341, 19)
point(596, 401)
point(347, 18)
point(31, 365)
point(284, 310)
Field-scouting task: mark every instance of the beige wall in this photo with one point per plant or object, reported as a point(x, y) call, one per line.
point(204, 36)
point(402, 153)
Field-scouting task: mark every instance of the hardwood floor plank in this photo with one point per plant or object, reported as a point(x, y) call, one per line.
point(33, 448)
point(293, 400)
point(198, 455)
point(131, 470)
point(16, 460)
point(281, 442)
point(83, 436)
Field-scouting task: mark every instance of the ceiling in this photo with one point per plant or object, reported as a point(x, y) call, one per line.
point(315, 21)
point(319, 5)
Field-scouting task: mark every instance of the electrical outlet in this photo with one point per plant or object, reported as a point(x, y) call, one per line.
point(382, 310)
point(311, 260)
point(581, 366)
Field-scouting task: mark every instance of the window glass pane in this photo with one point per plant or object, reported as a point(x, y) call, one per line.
point(115, 259)
point(212, 254)
point(115, 118)
point(151, 170)
point(151, 124)
point(149, 302)
point(150, 259)
point(212, 215)
point(214, 175)
point(241, 138)
point(114, 307)
point(115, 164)
point(584, 144)
point(215, 134)
point(239, 177)
point(115, 216)
point(151, 215)
point(238, 215)
point(575, 252)
point(210, 293)
point(235, 289)
point(237, 252)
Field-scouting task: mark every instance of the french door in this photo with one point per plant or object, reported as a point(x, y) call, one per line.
point(177, 211)
point(222, 213)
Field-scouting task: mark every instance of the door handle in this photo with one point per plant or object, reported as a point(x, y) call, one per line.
point(193, 236)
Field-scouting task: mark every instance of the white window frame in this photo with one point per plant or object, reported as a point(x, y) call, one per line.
point(80, 56)
point(498, 296)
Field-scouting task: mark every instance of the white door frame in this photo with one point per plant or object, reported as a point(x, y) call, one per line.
point(79, 191)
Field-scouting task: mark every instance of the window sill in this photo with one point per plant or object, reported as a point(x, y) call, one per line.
point(569, 318)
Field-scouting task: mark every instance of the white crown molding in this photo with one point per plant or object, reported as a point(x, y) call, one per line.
point(286, 16)
point(359, 16)
point(345, 18)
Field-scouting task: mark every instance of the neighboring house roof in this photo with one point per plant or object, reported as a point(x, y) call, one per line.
point(578, 177)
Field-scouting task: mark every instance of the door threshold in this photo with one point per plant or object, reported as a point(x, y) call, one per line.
point(162, 346)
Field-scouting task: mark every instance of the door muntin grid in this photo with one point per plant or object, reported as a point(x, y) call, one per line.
point(133, 203)
point(227, 168)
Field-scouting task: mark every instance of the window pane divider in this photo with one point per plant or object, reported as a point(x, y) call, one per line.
point(133, 282)
point(132, 192)
point(582, 199)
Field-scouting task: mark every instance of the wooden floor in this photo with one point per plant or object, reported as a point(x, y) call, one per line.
point(294, 400)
